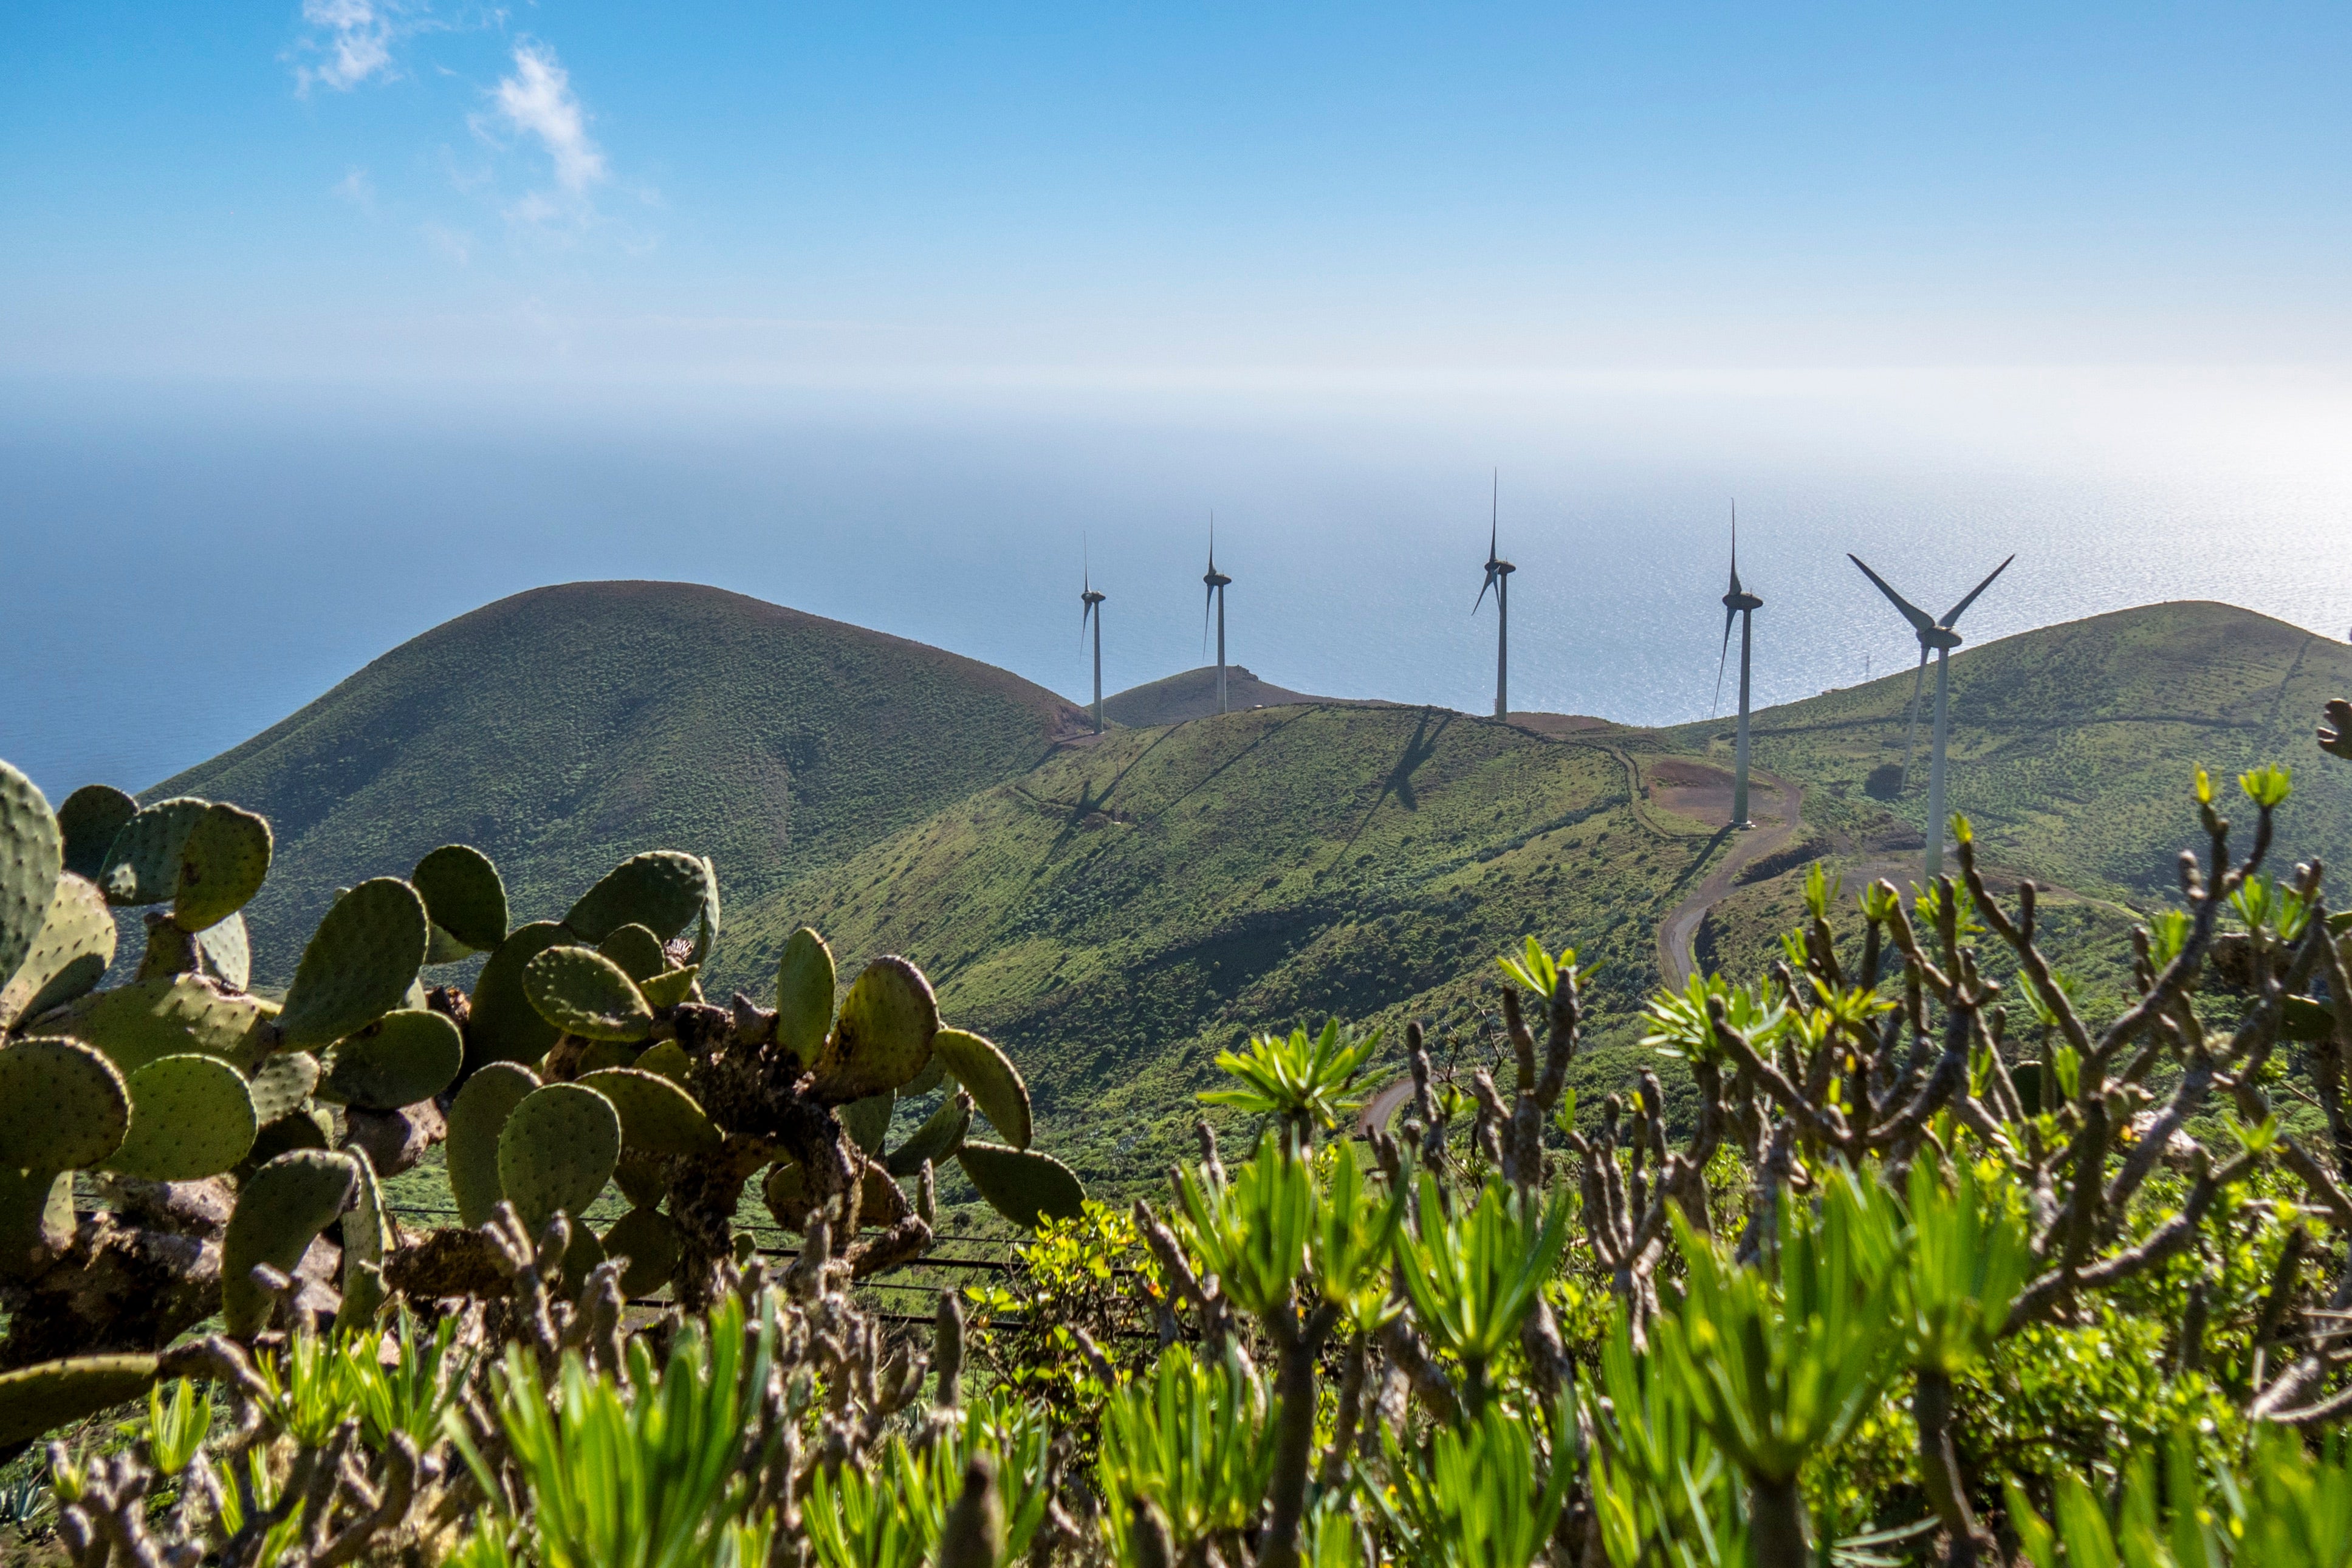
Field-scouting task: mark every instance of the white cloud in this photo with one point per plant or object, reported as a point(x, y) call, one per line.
point(538, 100)
point(356, 188)
point(354, 37)
point(455, 245)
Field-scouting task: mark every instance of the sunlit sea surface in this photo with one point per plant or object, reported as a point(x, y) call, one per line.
point(186, 566)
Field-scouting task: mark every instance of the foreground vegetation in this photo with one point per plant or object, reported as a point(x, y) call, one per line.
point(1937, 1268)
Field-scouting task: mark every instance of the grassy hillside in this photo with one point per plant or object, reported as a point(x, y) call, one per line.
point(2071, 746)
point(1142, 902)
point(563, 728)
point(1138, 905)
point(1194, 695)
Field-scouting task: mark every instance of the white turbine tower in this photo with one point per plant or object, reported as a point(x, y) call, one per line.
point(1092, 601)
point(1935, 637)
point(1217, 582)
point(1743, 604)
point(1499, 577)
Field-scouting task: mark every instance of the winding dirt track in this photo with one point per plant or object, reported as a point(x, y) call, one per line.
point(1774, 804)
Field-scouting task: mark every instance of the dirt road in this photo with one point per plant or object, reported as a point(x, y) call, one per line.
point(1773, 805)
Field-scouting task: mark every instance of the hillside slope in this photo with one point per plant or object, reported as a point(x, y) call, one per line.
point(1194, 695)
point(2072, 745)
point(1141, 903)
point(1138, 905)
point(563, 728)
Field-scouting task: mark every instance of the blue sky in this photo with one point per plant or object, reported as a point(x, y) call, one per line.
point(353, 189)
point(324, 320)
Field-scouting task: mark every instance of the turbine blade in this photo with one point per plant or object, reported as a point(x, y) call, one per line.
point(1483, 586)
point(1954, 612)
point(1205, 605)
point(1911, 612)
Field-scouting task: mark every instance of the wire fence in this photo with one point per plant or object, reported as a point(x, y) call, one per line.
point(898, 1298)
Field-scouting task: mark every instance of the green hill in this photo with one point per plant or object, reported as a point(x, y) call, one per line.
point(563, 728)
point(1194, 695)
point(1139, 903)
point(1117, 910)
point(2071, 746)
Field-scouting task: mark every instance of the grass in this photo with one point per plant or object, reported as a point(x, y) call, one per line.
point(2072, 745)
point(1116, 911)
point(1136, 905)
point(563, 729)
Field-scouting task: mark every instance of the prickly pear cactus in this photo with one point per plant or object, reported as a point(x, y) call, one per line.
point(32, 853)
point(280, 1211)
point(1022, 1185)
point(586, 994)
point(585, 1054)
point(359, 965)
point(401, 1058)
point(464, 897)
point(557, 1151)
point(191, 1117)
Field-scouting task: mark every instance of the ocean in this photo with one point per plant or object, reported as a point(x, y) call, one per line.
point(188, 564)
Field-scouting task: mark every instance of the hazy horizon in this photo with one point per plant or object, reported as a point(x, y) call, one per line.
point(323, 322)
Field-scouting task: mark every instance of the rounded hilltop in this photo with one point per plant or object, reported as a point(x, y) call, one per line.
point(564, 727)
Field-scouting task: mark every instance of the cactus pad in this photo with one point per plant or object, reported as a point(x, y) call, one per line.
point(657, 1117)
point(191, 1117)
point(39, 1399)
point(557, 1151)
point(641, 1179)
point(88, 820)
point(302, 1129)
point(706, 924)
point(661, 890)
point(940, 1136)
point(785, 1192)
point(463, 895)
point(504, 1026)
point(279, 1212)
point(136, 1023)
point(649, 1239)
point(586, 994)
point(282, 1085)
point(595, 1055)
point(882, 1037)
point(994, 1083)
point(669, 988)
point(475, 1119)
point(223, 861)
point(37, 1219)
point(867, 1120)
point(668, 1058)
point(1022, 1185)
point(67, 958)
point(32, 853)
point(359, 964)
point(636, 950)
point(804, 980)
point(400, 1058)
point(227, 950)
point(142, 864)
point(366, 1237)
point(63, 1106)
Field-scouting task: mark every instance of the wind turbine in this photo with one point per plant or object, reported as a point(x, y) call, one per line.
point(1093, 612)
point(1745, 605)
point(1499, 577)
point(1935, 637)
point(1216, 581)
